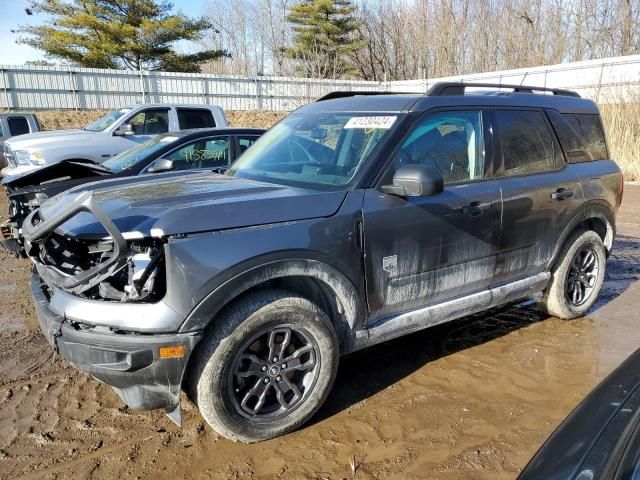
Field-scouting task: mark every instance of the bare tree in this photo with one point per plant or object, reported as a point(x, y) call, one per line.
point(410, 39)
point(254, 32)
point(431, 38)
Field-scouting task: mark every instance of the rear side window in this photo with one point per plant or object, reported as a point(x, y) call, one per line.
point(244, 143)
point(18, 125)
point(581, 136)
point(195, 118)
point(527, 145)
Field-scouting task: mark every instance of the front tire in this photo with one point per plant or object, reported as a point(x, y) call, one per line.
point(577, 276)
point(266, 367)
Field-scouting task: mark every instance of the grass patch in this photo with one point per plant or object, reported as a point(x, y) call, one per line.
point(622, 126)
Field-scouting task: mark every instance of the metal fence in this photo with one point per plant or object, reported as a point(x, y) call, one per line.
point(36, 88)
point(41, 88)
point(604, 81)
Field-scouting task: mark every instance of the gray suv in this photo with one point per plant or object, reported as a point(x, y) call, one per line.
point(357, 219)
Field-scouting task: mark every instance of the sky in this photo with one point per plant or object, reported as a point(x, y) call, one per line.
point(13, 15)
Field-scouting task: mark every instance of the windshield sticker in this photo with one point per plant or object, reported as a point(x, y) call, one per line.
point(371, 122)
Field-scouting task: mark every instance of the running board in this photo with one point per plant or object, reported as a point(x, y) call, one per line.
point(396, 326)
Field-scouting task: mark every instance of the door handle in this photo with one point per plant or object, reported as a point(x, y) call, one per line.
point(475, 209)
point(562, 193)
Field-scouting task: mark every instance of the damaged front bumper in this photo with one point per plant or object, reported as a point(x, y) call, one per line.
point(136, 365)
point(130, 345)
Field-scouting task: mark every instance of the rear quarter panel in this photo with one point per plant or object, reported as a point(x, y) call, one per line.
point(601, 180)
point(602, 187)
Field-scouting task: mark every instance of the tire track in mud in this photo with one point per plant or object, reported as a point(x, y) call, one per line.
point(70, 464)
point(36, 378)
point(100, 452)
point(49, 426)
point(27, 357)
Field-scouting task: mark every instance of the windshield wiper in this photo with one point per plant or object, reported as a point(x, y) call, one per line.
point(97, 165)
point(103, 168)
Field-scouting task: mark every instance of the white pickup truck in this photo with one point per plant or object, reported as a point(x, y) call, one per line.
point(14, 124)
point(117, 131)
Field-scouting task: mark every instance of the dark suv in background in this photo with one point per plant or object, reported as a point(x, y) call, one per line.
point(198, 149)
point(356, 219)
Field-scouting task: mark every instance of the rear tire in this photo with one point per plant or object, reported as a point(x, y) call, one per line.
point(577, 277)
point(266, 367)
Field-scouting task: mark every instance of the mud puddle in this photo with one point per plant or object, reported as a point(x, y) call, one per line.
point(473, 399)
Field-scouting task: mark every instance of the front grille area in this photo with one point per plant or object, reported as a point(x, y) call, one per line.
point(141, 278)
point(74, 256)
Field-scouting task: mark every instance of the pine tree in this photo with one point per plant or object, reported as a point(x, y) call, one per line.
point(134, 34)
point(324, 36)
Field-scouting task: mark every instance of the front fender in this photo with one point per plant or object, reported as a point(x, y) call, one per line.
point(206, 271)
point(348, 300)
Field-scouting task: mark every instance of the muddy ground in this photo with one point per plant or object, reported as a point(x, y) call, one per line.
point(469, 400)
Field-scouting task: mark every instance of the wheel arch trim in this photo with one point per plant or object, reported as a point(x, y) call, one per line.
point(594, 210)
point(350, 305)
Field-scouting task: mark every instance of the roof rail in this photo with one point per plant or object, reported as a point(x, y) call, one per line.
point(345, 94)
point(458, 88)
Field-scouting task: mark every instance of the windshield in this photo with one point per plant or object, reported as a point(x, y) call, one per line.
point(106, 121)
point(319, 150)
point(128, 158)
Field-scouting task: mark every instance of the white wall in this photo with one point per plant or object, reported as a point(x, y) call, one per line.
point(36, 88)
point(604, 80)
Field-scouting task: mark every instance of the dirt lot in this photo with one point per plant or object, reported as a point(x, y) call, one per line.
point(469, 400)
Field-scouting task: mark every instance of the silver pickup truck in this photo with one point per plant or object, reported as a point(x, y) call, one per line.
point(14, 124)
point(117, 131)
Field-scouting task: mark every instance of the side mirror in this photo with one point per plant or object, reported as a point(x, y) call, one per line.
point(415, 181)
point(161, 165)
point(125, 130)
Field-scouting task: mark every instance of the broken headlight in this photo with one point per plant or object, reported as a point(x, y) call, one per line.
point(137, 275)
point(141, 279)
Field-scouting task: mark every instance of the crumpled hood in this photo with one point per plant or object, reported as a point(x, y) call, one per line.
point(42, 139)
point(67, 169)
point(183, 203)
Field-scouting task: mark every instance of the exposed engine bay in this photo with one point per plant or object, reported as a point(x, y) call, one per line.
point(140, 278)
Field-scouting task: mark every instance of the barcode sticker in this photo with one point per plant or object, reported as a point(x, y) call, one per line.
point(371, 122)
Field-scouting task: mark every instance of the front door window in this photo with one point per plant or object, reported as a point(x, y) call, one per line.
point(451, 142)
point(202, 153)
point(150, 122)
